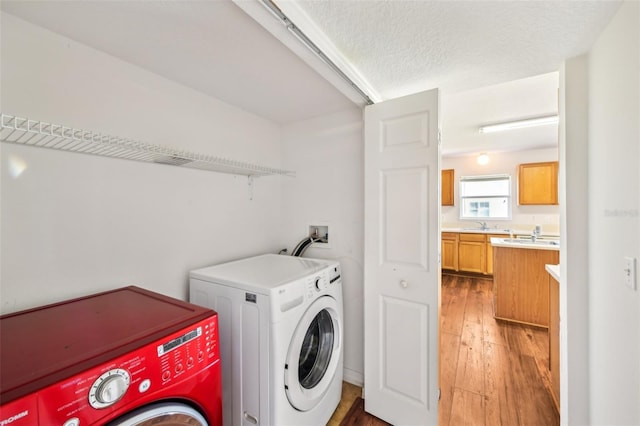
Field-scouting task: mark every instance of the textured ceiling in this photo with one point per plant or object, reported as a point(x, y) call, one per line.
point(403, 47)
point(398, 47)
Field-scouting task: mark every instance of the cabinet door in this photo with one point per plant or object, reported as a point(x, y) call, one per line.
point(538, 183)
point(447, 177)
point(450, 254)
point(471, 256)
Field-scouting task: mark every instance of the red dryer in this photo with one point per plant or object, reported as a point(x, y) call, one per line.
point(123, 357)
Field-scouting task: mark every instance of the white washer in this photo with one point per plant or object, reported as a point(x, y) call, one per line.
point(281, 334)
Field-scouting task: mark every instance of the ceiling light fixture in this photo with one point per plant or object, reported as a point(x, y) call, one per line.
point(531, 122)
point(275, 10)
point(483, 159)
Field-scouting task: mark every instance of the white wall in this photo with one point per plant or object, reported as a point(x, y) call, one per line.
point(574, 231)
point(523, 217)
point(614, 219)
point(75, 224)
point(327, 153)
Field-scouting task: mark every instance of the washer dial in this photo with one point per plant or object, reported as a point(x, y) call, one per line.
point(109, 388)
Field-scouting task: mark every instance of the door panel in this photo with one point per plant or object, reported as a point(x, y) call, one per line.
point(398, 374)
point(404, 202)
point(402, 132)
point(402, 243)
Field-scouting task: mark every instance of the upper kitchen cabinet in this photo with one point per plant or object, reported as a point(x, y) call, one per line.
point(447, 187)
point(538, 183)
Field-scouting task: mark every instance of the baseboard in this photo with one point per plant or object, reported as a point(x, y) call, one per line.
point(353, 377)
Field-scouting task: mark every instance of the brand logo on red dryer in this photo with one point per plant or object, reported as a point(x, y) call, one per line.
point(13, 418)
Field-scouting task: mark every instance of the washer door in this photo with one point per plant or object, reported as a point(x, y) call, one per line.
point(162, 414)
point(314, 354)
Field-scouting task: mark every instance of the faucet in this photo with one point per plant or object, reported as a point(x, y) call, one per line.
point(483, 226)
point(535, 233)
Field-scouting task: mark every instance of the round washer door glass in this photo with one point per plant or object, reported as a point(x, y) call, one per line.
point(317, 347)
point(314, 354)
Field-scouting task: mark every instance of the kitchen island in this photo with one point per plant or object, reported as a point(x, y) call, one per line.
point(520, 280)
point(554, 331)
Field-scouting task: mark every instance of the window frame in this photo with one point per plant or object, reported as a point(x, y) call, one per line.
point(482, 198)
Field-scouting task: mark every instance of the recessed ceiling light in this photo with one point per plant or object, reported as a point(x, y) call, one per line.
point(483, 159)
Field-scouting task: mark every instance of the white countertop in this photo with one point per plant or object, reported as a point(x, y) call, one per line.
point(541, 244)
point(477, 231)
point(554, 271)
point(497, 231)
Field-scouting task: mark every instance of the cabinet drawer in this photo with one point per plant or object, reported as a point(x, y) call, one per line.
point(449, 236)
point(481, 238)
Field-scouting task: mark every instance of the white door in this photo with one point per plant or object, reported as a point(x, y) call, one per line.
point(402, 268)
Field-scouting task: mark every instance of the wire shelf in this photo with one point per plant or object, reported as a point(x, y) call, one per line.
point(24, 131)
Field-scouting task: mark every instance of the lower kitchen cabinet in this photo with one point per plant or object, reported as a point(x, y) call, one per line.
point(521, 284)
point(472, 253)
point(554, 339)
point(467, 252)
point(489, 269)
point(449, 251)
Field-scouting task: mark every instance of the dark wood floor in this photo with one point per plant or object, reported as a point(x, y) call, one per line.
point(492, 372)
point(358, 417)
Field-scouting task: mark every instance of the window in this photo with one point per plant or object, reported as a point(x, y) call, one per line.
point(485, 197)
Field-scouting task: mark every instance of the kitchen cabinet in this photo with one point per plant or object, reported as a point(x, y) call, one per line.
point(447, 178)
point(554, 339)
point(521, 284)
point(489, 267)
point(472, 253)
point(449, 251)
point(465, 252)
point(538, 183)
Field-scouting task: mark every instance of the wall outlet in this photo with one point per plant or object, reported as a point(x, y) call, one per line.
point(630, 275)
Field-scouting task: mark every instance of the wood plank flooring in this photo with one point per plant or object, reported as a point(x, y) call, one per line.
point(358, 417)
point(492, 372)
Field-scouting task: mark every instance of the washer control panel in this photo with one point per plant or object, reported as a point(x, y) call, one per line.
point(322, 281)
point(87, 398)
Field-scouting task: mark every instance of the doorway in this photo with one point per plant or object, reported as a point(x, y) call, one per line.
point(494, 372)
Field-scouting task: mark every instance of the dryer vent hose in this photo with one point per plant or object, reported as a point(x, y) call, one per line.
point(305, 244)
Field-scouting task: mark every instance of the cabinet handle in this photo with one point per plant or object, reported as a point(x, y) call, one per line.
point(404, 284)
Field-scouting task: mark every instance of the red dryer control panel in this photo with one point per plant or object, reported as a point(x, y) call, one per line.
point(89, 397)
point(183, 364)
